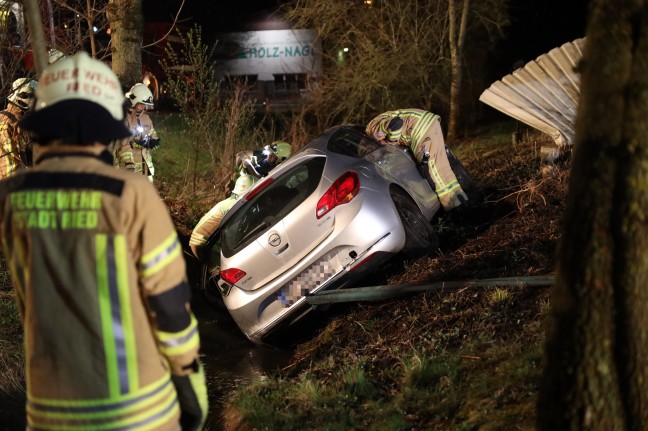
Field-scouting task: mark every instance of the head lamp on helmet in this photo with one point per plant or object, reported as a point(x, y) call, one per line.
point(22, 93)
point(79, 100)
point(140, 93)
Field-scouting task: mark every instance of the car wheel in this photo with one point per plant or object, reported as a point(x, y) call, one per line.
point(420, 238)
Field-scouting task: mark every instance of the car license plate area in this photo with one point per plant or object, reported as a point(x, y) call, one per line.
point(307, 281)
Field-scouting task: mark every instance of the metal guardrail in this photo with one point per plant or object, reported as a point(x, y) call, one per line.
point(383, 292)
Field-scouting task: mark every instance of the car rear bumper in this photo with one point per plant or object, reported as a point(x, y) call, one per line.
point(299, 308)
point(258, 312)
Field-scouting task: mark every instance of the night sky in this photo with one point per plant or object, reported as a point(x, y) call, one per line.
point(537, 26)
point(218, 16)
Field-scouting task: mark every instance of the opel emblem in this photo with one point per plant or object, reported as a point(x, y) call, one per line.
point(274, 240)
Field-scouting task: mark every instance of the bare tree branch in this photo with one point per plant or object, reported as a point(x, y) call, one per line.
point(175, 21)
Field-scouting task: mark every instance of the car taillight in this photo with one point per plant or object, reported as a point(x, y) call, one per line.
point(341, 192)
point(232, 275)
point(258, 189)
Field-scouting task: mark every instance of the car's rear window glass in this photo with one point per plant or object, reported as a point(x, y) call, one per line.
point(351, 143)
point(269, 206)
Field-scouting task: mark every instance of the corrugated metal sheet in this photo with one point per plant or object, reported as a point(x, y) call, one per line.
point(544, 93)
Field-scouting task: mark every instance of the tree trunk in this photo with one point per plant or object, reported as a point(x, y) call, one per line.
point(36, 34)
point(457, 42)
point(125, 19)
point(596, 359)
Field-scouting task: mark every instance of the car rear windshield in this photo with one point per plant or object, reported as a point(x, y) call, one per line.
point(351, 142)
point(272, 204)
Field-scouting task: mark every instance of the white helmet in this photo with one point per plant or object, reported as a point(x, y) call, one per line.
point(79, 99)
point(22, 93)
point(140, 93)
point(54, 55)
point(243, 184)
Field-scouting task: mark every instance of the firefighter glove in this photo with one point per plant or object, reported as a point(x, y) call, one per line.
point(147, 143)
point(192, 396)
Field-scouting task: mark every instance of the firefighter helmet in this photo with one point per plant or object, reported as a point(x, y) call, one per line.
point(395, 124)
point(243, 184)
point(140, 93)
point(78, 99)
point(282, 149)
point(22, 93)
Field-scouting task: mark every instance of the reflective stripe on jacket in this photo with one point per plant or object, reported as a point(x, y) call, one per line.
point(11, 142)
point(416, 124)
point(209, 223)
point(101, 289)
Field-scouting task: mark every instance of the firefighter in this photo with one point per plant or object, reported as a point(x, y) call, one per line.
point(421, 132)
point(210, 221)
point(111, 342)
point(260, 163)
point(134, 153)
point(16, 150)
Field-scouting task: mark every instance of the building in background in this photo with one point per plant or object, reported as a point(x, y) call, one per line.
point(279, 66)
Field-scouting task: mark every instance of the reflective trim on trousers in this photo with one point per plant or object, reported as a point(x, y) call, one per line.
point(145, 409)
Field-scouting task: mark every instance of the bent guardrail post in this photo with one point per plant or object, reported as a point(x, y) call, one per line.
point(382, 292)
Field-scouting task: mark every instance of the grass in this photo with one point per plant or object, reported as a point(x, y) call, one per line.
point(174, 154)
point(186, 188)
point(481, 384)
point(174, 160)
point(12, 358)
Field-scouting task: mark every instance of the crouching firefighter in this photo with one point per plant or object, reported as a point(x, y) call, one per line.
point(421, 132)
point(111, 341)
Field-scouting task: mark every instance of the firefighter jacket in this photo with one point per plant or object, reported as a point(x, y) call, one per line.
point(134, 153)
point(421, 132)
point(209, 223)
point(101, 289)
point(14, 142)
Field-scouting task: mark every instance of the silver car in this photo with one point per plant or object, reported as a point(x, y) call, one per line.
point(329, 215)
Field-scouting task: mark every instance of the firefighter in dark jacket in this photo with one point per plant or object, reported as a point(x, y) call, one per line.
point(98, 272)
